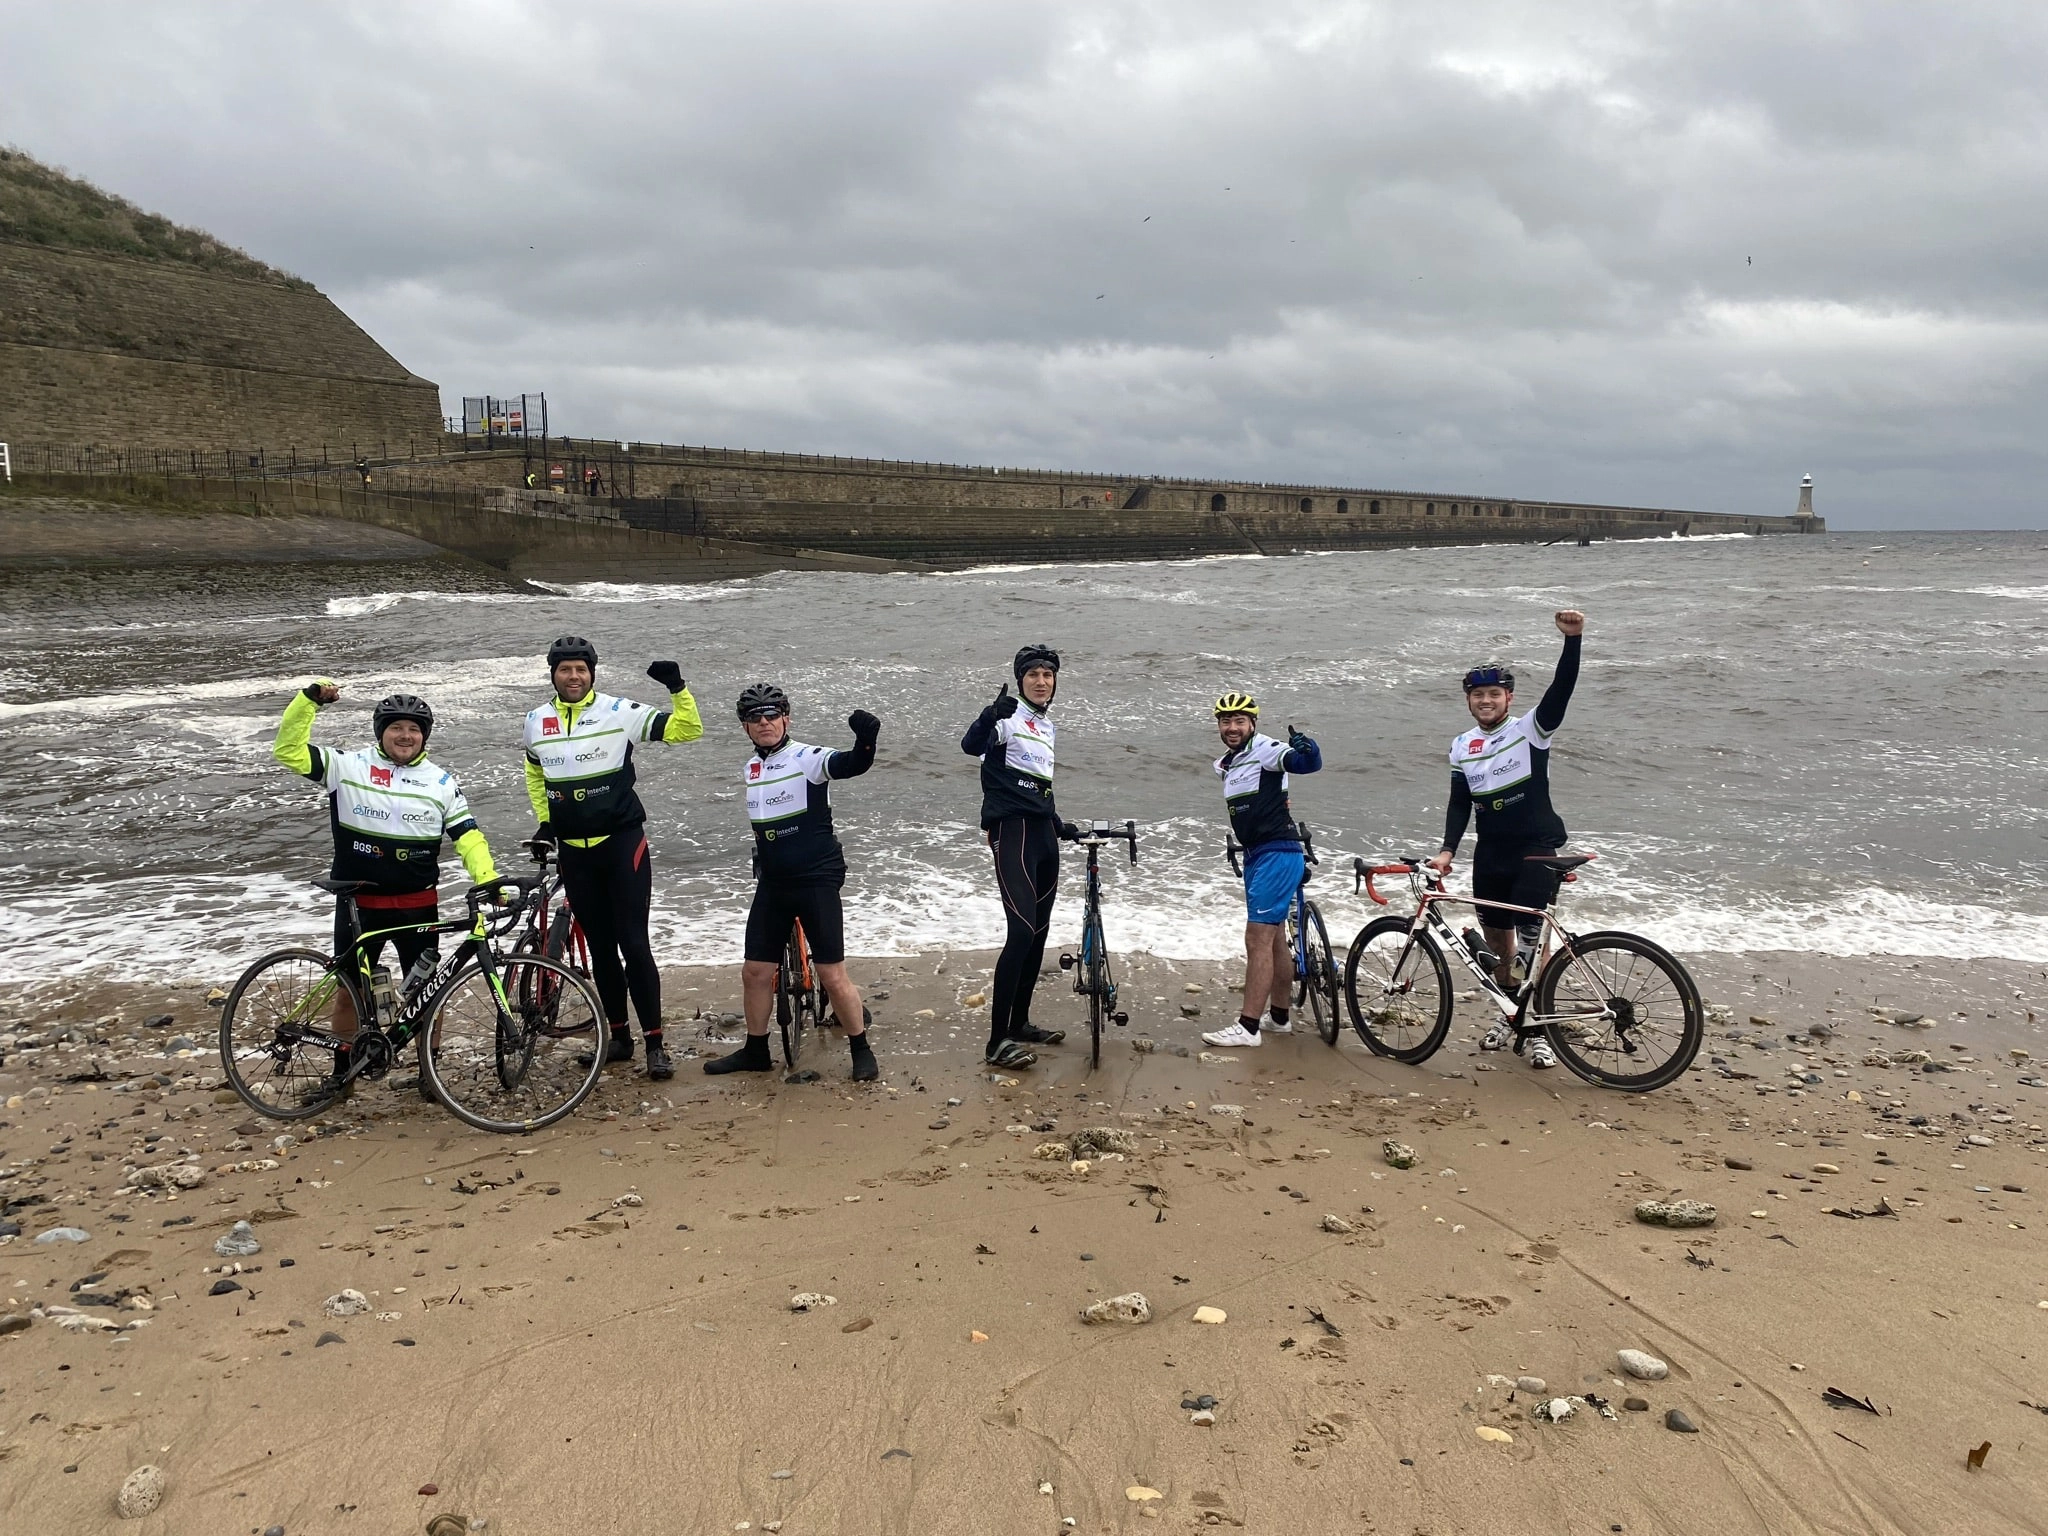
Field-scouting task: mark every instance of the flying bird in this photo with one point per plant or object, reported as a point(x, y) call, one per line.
point(1146, 220)
point(1751, 260)
point(1102, 295)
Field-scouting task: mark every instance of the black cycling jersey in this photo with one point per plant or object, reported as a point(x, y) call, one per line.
point(1016, 763)
point(789, 803)
point(1255, 788)
point(1504, 774)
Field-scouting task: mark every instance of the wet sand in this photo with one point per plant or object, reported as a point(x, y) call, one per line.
point(551, 1359)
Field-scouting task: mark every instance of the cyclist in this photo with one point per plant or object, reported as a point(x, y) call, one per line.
point(1013, 737)
point(1501, 769)
point(579, 777)
point(798, 870)
point(390, 808)
point(1254, 770)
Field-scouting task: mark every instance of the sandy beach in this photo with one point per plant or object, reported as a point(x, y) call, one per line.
point(591, 1329)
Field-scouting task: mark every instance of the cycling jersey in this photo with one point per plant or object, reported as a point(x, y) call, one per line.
point(388, 818)
point(1505, 773)
point(789, 803)
point(1016, 763)
point(579, 759)
point(1254, 779)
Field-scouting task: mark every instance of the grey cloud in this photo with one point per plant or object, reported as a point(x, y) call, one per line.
point(1496, 248)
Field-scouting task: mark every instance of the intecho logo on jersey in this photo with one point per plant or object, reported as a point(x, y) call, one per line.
point(551, 726)
point(381, 777)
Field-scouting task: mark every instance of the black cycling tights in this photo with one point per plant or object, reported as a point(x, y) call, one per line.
point(1027, 854)
point(610, 888)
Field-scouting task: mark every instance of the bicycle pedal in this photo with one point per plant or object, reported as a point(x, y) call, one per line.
point(1066, 962)
point(1120, 1019)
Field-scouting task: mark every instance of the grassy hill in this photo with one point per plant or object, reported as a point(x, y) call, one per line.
point(40, 205)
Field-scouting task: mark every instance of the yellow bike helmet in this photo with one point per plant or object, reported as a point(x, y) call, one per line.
point(1237, 704)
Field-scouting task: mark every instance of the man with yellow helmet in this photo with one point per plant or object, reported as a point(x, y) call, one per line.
point(1254, 770)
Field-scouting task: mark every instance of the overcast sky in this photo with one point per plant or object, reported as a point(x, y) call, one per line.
point(1656, 253)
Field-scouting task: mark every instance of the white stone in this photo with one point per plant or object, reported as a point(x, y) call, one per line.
point(140, 1494)
point(1643, 1367)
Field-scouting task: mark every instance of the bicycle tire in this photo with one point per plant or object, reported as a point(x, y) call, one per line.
point(468, 1038)
point(1383, 990)
point(264, 1009)
point(790, 1001)
point(1322, 977)
point(1095, 965)
point(1681, 1016)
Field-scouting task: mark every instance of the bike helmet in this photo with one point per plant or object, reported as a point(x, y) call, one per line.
point(1237, 704)
point(1491, 674)
point(762, 699)
point(1035, 656)
point(572, 648)
point(404, 706)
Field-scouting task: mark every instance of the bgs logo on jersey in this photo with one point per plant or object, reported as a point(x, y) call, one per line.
point(381, 777)
point(368, 850)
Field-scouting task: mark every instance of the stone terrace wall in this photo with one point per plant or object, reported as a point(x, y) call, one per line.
point(112, 350)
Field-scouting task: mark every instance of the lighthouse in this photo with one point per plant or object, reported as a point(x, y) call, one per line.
point(1806, 497)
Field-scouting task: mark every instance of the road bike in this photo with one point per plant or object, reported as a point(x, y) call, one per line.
point(1620, 1011)
point(550, 929)
point(499, 1035)
point(1092, 977)
point(1308, 941)
point(800, 1001)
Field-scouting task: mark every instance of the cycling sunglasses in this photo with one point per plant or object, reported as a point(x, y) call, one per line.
point(752, 716)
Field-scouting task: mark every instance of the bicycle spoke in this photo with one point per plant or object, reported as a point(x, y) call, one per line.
point(1620, 1011)
point(520, 1054)
point(1398, 990)
point(275, 1032)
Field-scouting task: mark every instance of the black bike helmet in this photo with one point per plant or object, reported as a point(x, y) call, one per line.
point(761, 698)
point(1490, 674)
point(404, 706)
point(1035, 656)
point(572, 648)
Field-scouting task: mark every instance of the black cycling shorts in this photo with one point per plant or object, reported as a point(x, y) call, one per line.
point(813, 904)
point(410, 942)
point(1512, 878)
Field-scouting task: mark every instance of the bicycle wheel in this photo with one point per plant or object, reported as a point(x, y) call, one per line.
point(1620, 1011)
point(504, 1058)
point(792, 998)
point(1095, 973)
point(1320, 984)
point(1398, 991)
point(268, 1029)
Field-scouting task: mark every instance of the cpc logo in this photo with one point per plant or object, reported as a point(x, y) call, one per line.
point(591, 755)
point(416, 816)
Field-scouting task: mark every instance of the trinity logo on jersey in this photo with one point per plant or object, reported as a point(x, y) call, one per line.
point(380, 776)
point(551, 727)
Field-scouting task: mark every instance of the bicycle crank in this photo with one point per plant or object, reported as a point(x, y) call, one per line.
point(371, 1055)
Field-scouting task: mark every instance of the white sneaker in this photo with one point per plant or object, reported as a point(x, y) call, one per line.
point(1237, 1034)
point(1541, 1055)
point(1275, 1027)
point(1496, 1038)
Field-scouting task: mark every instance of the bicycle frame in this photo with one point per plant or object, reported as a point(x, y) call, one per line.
point(1431, 897)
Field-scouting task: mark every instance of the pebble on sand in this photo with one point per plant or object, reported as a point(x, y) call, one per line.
point(974, 1000)
point(1337, 1224)
point(1678, 1423)
point(64, 1235)
point(1676, 1213)
point(806, 1301)
point(345, 1303)
point(141, 1493)
point(1398, 1154)
point(1138, 1493)
point(1497, 1436)
point(1131, 1307)
point(239, 1243)
point(1636, 1404)
point(1644, 1367)
point(1210, 1315)
point(1534, 1386)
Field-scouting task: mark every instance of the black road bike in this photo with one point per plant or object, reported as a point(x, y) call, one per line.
point(1092, 976)
point(499, 1035)
point(1308, 941)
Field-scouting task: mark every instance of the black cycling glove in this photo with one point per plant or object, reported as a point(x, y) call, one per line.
point(544, 833)
point(1004, 706)
point(865, 727)
point(668, 674)
point(1069, 832)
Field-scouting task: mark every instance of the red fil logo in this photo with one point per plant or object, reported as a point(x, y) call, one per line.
point(381, 776)
point(551, 726)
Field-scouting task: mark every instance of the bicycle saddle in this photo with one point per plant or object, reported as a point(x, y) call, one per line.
point(1561, 861)
point(343, 887)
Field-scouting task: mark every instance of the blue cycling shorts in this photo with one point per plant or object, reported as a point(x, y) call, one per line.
point(1271, 876)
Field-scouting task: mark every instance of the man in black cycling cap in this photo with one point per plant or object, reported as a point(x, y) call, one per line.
point(390, 808)
point(798, 870)
point(1501, 769)
point(579, 776)
point(1013, 737)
